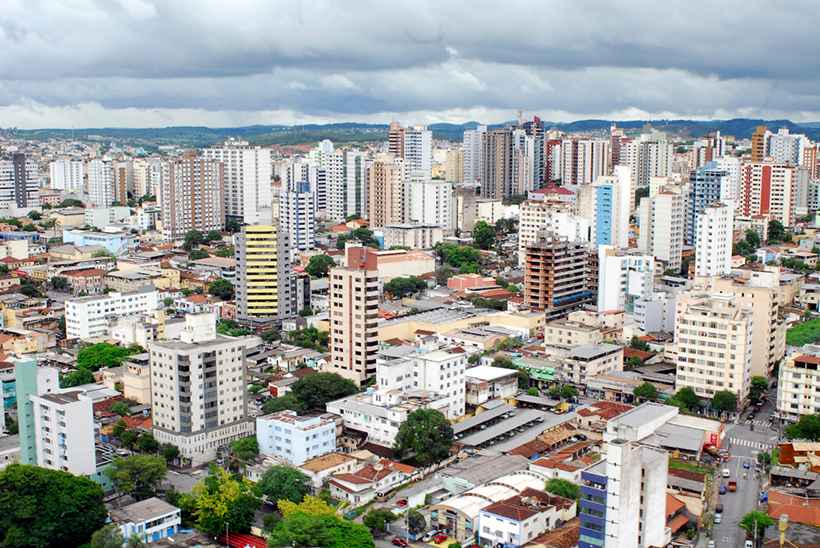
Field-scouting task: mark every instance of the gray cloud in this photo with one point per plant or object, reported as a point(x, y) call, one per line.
point(88, 62)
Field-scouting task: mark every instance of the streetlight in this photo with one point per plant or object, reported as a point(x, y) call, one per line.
point(782, 525)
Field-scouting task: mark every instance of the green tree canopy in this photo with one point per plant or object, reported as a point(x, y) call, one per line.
point(43, 507)
point(244, 450)
point(222, 500)
point(758, 388)
point(222, 289)
point(196, 254)
point(362, 235)
point(303, 530)
point(193, 238)
point(288, 401)
point(213, 236)
point(169, 452)
point(377, 519)
point(563, 488)
point(109, 536)
point(138, 475)
point(568, 392)
point(314, 391)
point(415, 521)
point(404, 286)
point(147, 443)
point(639, 344)
point(59, 283)
point(283, 483)
point(121, 408)
point(463, 257)
point(319, 265)
point(483, 235)
point(777, 233)
point(96, 356)
point(687, 397)
point(646, 392)
point(231, 329)
point(309, 337)
point(724, 400)
point(807, 428)
point(426, 435)
point(755, 523)
point(76, 378)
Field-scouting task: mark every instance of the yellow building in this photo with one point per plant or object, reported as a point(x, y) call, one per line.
point(261, 274)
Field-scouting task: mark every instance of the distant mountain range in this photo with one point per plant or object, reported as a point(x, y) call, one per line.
point(355, 132)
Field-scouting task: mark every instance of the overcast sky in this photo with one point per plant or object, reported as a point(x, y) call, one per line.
point(145, 63)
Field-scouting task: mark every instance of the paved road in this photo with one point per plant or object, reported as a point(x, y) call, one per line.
point(744, 441)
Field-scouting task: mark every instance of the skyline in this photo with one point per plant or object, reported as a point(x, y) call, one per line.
point(136, 63)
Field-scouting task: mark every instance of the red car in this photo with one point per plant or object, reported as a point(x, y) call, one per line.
point(401, 503)
point(398, 541)
point(438, 539)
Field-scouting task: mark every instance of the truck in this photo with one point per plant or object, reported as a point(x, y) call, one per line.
point(732, 486)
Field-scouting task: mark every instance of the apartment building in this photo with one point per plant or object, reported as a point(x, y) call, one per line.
point(263, 274)
point(714, 233)
point(346, 184)
point(485, 382)
point(66, 174)
point(623, 278)
point(605, 204)
point(590, 360)
point(101, 182)
point(556, 217)
point(429, 202)
point(295, 439)
point(354, 308)
point(768, 189)
point(555, 275)
point(521, 518)
point(198, 389)
point(89, 317)
point(192, 195)
point(567, 333)
point(412, 235)
point(798, 384)
point(662, 224)
point(713, 335)
point(297, 217)
point(709, 184)
point(64, 431)
point(247, 174)
point(387, 179)
point(768, 329)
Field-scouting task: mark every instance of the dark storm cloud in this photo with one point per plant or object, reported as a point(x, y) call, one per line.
point(194, 59)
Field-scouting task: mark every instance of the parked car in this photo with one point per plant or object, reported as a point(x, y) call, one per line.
point(722, 489)
point(398, 541)
point(749, 544)
point(726, 473)
point(746, 465)
point(710, 544)
point(732, 486)
point(439, 538)
point(401, 503)
point(718, 518)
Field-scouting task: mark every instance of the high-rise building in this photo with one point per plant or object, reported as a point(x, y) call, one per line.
point(798, 384)
point(31, 380)
point(497, 164)
point(624, 277)
point(527, 168)
point(555, 275)
point(101, 182)
point(198, 389)
point(759, 144)
point(454, 165)
point(707, 185)
point(247, 180)
point(474, 154)
point(768, 189)
point(552, 161)
point(787, 148)
point(191, 196)
point(661, 227)
point(713, 334)
point(66, 174)
point(123, 181)
point(428, 202)
point(297, 217)
point(387, 179)
point(556, 217)
point(418, 151)
point(19, 182)
point(263, 274)
point(64, 431)
point(346, 183)
point(354, 316)
point(395, 139)
point(713, 240)
point(88, 317)
point(605, 204)
point(711, 147)
point(583, 161)
point(143, 184)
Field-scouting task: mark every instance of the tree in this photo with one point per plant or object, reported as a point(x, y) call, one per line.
point(168, 301)
point(197, 254)
point(138, 475)
point(129, 439)
point(121, 408)
point(193, 238)
point(304, 530)
point(71, 202)
point(319, 265)
point(283, 483)
point(95, 356)
point(76, 378)
point(426, 435)
point(43, 507)
point(533, 391)
point(646, 392)
point(314, 391)
point(563, 488)
point(244, 450)
point(213, 236)
point(34, 215)
point(226, 251)
point(288, 401)
point(59, 283)
point(107, 537)
point(724, 400)
point(169, 452)
point(147, 443)
point(755, 523)
point(483, 235)
point(377, 519)
point(462, 257)
point(310, 337)
point(222, 500)
point(416, 522)
point(687, 397)
point(639, 344)
point(807, 428)
point(309, 505)
point(221, 288)
point(569, 392)
point(403, 286)
point(758, 388)
point(776, 232)
point(231, 328)
point(232, 226)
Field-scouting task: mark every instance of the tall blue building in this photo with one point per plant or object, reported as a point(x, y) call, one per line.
point(592, 506)
point(707, 185)
point(604, 214)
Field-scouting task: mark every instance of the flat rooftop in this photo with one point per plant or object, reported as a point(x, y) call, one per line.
point(488, 372)
point(641, 415)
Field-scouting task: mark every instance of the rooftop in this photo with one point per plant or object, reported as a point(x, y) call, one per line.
point(591, 351)
point(144, 510)
point(489, 373)
point(326, 462)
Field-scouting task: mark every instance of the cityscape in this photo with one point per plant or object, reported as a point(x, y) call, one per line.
point(306, 274)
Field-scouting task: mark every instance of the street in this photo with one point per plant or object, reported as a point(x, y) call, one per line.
point(743, 444)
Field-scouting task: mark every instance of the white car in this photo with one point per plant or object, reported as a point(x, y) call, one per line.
point(718, 518)
point(726, 473)
point(710, 544)
point(749, 544)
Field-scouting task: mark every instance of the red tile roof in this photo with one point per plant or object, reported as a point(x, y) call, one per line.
point(799, 509)
point(673, 505)
point(565, 536)
point(517, 509)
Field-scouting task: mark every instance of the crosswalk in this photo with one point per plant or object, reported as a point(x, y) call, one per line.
point(761, 424)
point(740, 442)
